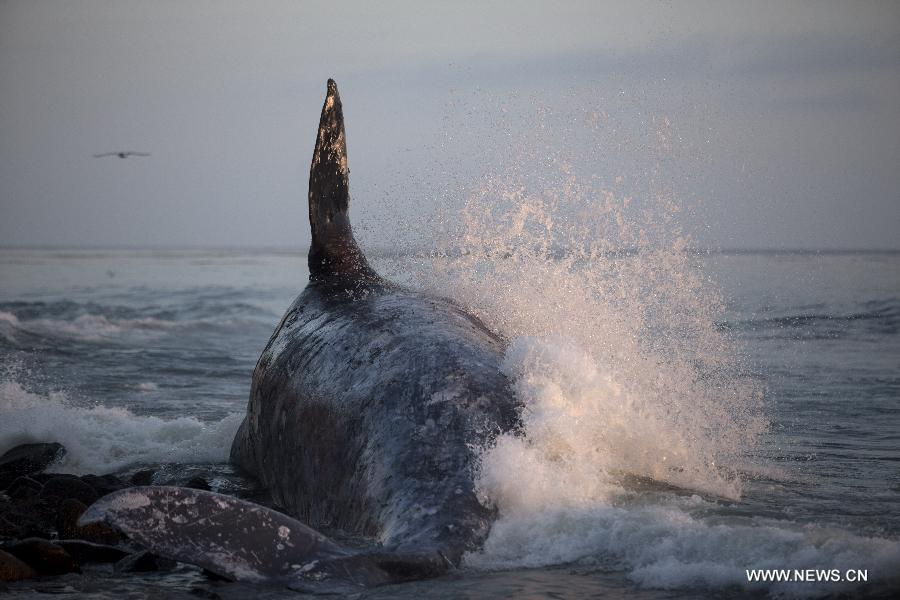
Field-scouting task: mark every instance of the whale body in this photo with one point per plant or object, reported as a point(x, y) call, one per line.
point(370, 403)
point(368, 410)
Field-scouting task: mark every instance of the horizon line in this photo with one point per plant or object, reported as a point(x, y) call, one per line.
point(382, 250)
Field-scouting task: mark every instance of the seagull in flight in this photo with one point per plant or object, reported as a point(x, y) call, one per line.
point(122, 154)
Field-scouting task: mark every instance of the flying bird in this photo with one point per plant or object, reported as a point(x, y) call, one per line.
point(122, 154)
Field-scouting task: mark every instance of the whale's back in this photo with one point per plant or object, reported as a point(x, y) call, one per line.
point(368, 414)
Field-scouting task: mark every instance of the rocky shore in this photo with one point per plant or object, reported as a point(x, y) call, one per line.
point(39, 510)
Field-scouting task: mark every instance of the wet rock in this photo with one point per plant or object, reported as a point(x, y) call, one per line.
point(67, 525)
point(43, 556)
point(214, 576)
point(143, 561)
point(144, 477)
point(103, 484)
point(89, 552)
point(28, 459)
point(28, 519)
point(13, 569)
point(62, 487)
point(23, 488)
point(67, 518)
point(198, 482)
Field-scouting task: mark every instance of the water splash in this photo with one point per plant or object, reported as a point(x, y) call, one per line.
point(614, 346)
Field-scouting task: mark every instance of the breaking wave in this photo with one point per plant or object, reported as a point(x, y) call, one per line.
point(101, 439)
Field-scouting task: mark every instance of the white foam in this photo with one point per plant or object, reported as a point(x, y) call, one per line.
point(8, 325)
point(87, 327)
point(101, 439)
point(664, 546)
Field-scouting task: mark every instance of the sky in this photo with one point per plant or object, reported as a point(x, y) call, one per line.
point(785, 117)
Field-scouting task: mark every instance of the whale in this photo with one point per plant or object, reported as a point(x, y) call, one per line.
point(369, 409)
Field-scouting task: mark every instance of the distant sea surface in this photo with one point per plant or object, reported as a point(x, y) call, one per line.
point(140, 357)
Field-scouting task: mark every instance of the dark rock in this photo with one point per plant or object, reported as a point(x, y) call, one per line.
point(68, 487)
point(13, 569)
point(214, 576)
point(89, 552)
point(29, 519)
point(67, 525)
point(23, 488)
point(28, 459)
point(103, 484)
point(44, 557)
point(67, 518)
point(45, 477)
point(99, 533)
point(143, 561)
point(198, 482)
point(144, 477)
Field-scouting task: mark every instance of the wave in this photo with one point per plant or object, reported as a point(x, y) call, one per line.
point(102, 439)
point(86, 327)
point(878, 316)
point(98, 327)
point(665, 545)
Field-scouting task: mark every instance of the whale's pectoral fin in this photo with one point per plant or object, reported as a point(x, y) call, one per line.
point(232, 538)
point(333, 251)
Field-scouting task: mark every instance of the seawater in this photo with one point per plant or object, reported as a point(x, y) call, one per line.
point(674, 436)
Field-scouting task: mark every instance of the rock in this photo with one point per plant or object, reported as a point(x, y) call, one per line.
point(103, 484)
point(28, 519)
point(13, 569)
point(89, 552)
point(144, 477)
point(198, 482)
point(62, 488)
point(98, 533)
point(23, 488)
point(28, 459)
point(67, 525)
point(44, 557)
point(143, 561)
point(67, 518)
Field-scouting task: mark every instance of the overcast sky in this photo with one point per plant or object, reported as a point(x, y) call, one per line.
point(787, 114)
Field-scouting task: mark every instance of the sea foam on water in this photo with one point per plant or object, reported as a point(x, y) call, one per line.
point(102, 439)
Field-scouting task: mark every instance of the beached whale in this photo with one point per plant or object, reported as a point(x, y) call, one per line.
point(368, 410)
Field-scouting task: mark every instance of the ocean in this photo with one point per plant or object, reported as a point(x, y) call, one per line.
point(672, 443)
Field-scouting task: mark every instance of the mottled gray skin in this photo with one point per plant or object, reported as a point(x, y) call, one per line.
point(367, 412)
point(370, 404)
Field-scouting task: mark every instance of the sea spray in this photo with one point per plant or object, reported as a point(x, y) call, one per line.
point(615, 348)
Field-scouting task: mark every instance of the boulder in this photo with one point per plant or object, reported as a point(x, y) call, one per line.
point(143, 477)
point(63, 487)
point(25, 519)
point(23, 488)
point(43, 556)
point(67, 518)
point(67, 525)
point(103, 484)
point(197, 482)
point(13, 569)
point(89, 552)
point(28, 459)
